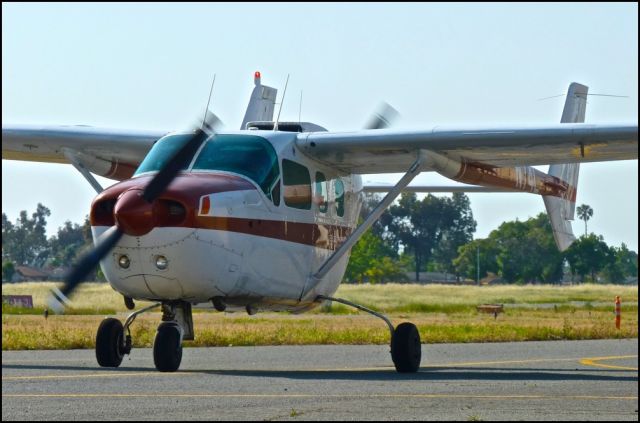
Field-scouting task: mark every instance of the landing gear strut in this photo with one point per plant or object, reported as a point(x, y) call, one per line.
point(111, 342)
point(406, 350)
point(176, 326)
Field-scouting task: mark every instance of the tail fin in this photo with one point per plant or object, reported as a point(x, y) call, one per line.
point(261, 103)
point(562, 210)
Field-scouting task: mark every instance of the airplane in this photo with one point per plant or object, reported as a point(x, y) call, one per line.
point(263, 218)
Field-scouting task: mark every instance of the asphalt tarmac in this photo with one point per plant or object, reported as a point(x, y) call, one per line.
point(561, 380)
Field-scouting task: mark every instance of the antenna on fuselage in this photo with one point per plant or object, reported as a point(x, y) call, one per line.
point(300, 109)
point(206, 109)
point(275, 125)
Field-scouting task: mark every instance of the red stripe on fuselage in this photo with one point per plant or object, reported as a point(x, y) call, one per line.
point(187, 189)
point(318, 235)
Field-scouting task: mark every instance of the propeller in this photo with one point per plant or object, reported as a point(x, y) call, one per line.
point(383, 117)
point(59, 297)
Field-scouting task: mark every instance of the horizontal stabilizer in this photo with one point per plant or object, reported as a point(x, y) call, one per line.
point(434, 188)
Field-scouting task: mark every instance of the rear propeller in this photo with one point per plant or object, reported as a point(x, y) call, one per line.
point(383, 117)
point(58, 298)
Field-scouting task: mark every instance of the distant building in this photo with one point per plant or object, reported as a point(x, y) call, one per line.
point(57, 273)
point(26, 273)
point(435, 277)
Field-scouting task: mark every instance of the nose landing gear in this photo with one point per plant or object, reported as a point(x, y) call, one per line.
point(111, 343)
point(177, 325)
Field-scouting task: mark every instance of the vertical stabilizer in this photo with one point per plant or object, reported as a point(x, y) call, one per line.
point(261, 103)
point(561, 209)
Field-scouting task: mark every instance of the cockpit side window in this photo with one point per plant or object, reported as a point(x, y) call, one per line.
point(320, 197)
point(339, 196)
point(296, 185)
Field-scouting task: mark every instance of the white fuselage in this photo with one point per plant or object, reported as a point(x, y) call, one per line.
point(246, 249)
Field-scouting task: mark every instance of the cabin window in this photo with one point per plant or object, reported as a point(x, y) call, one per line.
point(339, 195)
point(297, 185)
point(248, 155)
point(320, 198)
point(161, 152)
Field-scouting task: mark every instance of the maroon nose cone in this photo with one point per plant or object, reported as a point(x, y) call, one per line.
point(134, 216)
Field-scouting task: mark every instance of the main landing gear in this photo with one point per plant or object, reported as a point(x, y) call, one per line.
point(176, 326)
point(406, 350)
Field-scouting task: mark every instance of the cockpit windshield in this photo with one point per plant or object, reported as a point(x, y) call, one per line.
point(161, 152)
point(248, 155)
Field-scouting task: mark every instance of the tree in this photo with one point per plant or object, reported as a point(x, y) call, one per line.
point(517, 251)
point(431, 229)
point(589, 255)
point(584, 213)
point(70, 240)
point(25, 243)
point(528, 252)
point(466, 263)
point(373, 261)
point(623, 265)
point(457, 231)
point(8, 269)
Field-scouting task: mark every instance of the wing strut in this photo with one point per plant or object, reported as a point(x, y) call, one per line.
point(315, 279)
point(72, 156)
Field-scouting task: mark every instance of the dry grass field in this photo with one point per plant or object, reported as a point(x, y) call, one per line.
point(443, 313)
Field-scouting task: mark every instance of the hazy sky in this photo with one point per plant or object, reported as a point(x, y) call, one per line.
point(149, 66)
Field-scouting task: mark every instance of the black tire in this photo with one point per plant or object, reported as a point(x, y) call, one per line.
point(406, 350)
point(167, 347)
point(110, 343)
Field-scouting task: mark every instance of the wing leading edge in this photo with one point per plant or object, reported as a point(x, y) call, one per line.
point(389, 150)
point(110, 153)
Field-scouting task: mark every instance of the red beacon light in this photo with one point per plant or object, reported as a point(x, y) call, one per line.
point(257, 75)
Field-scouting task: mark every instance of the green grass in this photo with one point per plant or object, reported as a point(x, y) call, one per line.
point(99, 298)
point(442, 314)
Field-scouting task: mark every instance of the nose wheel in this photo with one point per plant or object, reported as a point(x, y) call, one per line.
point(110, 344)
point(167, 347)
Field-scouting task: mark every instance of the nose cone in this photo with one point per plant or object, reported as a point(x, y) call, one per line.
point(133, 214)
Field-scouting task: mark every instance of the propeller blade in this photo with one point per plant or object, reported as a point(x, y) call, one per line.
point(211, 123)
point(383, 117)
point(164, 177)
point(58, 298)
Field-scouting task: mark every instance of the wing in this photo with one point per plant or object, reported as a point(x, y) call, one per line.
point(389, 150)
point(110, 153)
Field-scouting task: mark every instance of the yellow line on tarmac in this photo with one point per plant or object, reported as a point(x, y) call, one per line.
point(584, 361)
point(592, 362)
point(93, 375)
point(356, 396)
point(484, 363)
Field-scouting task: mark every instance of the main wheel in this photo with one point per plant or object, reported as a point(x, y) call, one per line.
point(406, 350)
point(110, 343)
point(167, 347)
